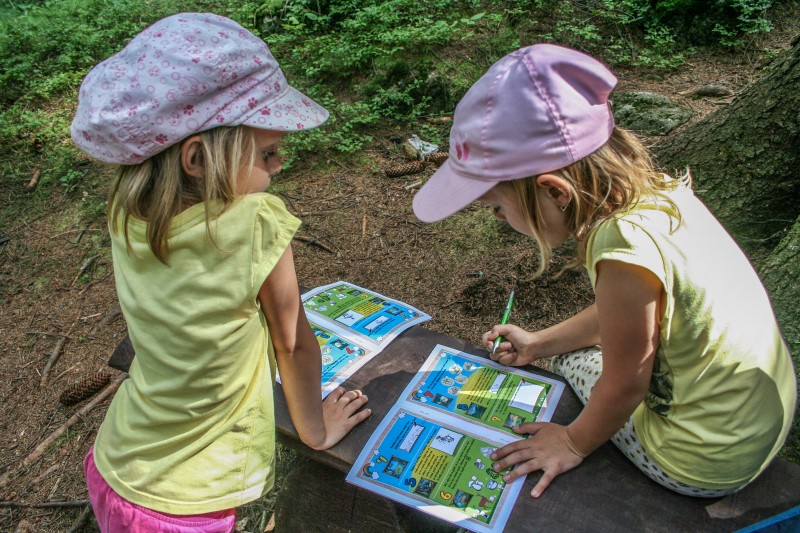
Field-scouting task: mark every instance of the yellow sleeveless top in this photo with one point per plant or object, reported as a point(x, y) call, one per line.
point(192, 430)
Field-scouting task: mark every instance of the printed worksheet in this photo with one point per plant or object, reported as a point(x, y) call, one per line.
point(482, 390)
point(340, 357)
point(368, 318)
point(432, 450)
point(352, 325)
point(440, 465)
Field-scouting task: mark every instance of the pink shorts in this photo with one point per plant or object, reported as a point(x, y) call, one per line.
point(116, 514)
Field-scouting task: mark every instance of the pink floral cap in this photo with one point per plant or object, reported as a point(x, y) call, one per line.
point(185, 74)
point(538, 109)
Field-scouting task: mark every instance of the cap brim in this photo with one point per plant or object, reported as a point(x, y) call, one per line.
point(290, 111)
point(446, 193)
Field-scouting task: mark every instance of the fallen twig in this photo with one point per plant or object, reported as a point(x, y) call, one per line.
point(412, 185)
point(79, 523)
point(320, 211)
point(363, 226)
point(45, 474)
point(313, 240)
point(76, 503)
point(113, 313)
point(50, 333)
point(54, 356)
point(93, 283)
point(82, 233)
point(83, 269)
point(37, 453)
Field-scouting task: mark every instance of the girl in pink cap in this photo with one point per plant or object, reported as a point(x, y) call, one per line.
point(680, 361)
point(192, 111)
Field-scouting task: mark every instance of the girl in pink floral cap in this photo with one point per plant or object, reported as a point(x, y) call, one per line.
point(691, 379)
point(192, 111)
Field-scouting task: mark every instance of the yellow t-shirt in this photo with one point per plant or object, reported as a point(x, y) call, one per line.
point(723, 390)
point(193, 430)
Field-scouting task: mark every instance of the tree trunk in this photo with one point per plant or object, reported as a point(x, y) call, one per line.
point(745, 157)
point(780, 273)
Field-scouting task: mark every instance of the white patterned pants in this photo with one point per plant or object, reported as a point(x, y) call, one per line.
point(581, 369)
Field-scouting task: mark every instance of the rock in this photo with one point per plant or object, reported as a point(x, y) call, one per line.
point(648, 113)
point(713, 89)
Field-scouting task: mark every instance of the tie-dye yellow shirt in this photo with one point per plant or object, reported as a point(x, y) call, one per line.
point(192, 430)
point(723, 390)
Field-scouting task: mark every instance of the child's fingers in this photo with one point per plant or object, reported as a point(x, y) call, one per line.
point(487, 340)
point(335, 394)
point(350, 395)
point(510, 454)
point(504, 357)
point(359, 417)
point(530, 428)
point(342, 394)
point(522, 469)
point(544, 482)
point(355, 404)
point(497, 330)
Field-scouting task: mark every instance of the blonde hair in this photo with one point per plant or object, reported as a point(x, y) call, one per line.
point(157, 189)
point(610, 180)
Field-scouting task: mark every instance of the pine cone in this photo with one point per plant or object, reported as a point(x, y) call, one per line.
point(87, 387)
point(438, 157)
point(406, 168)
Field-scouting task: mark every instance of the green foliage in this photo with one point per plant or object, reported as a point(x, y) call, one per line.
point(726, 22)
point(389, 48)
point(33, 136)
point(388, 62)
point(48, 47)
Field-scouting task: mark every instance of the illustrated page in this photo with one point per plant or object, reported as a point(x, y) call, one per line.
point(440, 465)
point(352, 325)
point(340, 357)
point(367, 317)
point(483, 391)
point(432, 450)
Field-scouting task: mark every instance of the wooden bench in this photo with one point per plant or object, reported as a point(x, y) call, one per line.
point(605, 493)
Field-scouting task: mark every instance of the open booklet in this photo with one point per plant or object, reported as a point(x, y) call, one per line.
point(352, 325)
point(432, 450)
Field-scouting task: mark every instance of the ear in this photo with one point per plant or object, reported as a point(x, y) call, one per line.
point(191, 158)
point(556, 188)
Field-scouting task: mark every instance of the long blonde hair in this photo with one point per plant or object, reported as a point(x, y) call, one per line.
point(157, 189)
point(610, 180)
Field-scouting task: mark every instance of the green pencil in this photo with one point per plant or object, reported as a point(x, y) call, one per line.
point(504, 320)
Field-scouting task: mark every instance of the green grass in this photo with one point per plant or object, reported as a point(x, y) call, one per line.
point(255, 516)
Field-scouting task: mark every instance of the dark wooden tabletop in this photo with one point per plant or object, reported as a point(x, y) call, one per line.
point(605, 493)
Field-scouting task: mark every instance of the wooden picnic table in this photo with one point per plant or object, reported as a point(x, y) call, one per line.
point(605, 493)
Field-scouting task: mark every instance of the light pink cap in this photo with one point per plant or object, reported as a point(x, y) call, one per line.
point(538, 109)
point(184, 74)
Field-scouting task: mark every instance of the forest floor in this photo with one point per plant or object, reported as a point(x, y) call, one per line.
point(459, 271)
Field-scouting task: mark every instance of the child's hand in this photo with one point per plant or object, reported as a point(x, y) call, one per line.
point(340, 412)
point(516, 348)
point(549, 449)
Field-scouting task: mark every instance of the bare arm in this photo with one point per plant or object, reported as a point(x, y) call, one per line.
point(320, 425)
point(521, 347)
point(629, 303)
point(628, 300)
